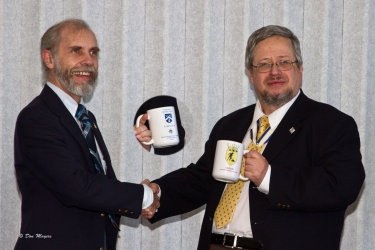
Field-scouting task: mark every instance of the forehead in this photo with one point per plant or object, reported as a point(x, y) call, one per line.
point(274, 47)
point(73, 37)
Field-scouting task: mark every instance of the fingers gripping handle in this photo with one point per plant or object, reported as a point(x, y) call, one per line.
point(241, 177)
point(137, 125)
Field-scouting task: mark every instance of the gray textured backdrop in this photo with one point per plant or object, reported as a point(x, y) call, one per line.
point(192, 50)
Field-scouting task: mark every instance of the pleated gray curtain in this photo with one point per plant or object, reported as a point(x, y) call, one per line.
point(192, 50)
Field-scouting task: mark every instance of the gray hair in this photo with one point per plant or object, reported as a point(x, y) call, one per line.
point(266, 32)
point(52, 37)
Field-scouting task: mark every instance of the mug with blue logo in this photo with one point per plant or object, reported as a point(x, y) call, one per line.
point(163, 126)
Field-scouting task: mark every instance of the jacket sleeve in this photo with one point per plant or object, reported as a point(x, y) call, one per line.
point(186, 189)
point(47, 156)
point(189, 188)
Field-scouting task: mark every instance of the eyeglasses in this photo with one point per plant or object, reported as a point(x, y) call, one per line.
point(281, 65)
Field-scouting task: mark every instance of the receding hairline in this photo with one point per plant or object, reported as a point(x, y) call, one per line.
point(73, 25)
point(73, 30)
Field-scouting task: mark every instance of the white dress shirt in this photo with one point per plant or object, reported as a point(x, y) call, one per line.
point(72, 106)
point(240, 223)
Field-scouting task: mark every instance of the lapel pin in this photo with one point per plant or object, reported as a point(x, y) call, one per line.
point(292, 130)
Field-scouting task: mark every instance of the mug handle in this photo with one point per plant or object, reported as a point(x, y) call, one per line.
point(241, 177)
point(137, 126)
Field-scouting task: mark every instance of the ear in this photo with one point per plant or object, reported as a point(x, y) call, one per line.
point(48, 59)
point(250, 74)
point(301, 69)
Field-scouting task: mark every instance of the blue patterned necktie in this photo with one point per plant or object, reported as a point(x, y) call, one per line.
point(87, 131)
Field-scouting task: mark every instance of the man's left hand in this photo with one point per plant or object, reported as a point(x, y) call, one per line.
point(256, 167)
point(142, 133)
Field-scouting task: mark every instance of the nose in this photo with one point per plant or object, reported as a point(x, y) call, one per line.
point(87, 59)
point(275, 69)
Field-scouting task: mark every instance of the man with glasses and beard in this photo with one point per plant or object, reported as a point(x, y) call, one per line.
point(304, 165)
point(71, 198)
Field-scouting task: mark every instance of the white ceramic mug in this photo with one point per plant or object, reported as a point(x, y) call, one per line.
point(163, 126)
point(228, 160)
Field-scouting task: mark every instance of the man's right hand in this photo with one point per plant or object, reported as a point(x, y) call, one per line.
point(149, 212)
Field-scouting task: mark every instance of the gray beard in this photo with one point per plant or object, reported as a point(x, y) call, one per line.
point(64, 77)
point(276, 101)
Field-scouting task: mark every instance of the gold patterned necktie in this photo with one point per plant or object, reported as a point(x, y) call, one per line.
point(227, 205)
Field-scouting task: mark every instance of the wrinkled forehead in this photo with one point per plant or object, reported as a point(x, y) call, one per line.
point(273, 47)
point(71, 35)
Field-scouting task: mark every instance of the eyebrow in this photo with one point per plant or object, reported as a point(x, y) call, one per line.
point(95, 49)
point(80, 47)
point(279, 57)
point(75, 47)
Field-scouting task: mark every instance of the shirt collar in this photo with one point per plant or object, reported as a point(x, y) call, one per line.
point(67, 100)
point(276, 116)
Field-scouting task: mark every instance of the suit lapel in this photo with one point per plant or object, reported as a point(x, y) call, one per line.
point(240, 125)
point(57, 107)
point(288, 127)
point(99, 139)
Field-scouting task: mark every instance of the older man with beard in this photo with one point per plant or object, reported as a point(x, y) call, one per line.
point(71, 198)
point(304, 165)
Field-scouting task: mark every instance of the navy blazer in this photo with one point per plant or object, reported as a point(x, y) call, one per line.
point(316, 173)
point(64, 201)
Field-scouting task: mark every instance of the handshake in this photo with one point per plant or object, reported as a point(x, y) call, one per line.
point(149, 212)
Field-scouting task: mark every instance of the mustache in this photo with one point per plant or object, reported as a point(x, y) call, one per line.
point(275, 78)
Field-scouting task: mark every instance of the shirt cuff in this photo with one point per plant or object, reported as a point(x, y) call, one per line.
point(264, 187)
point(152, 150)
point(148, 196)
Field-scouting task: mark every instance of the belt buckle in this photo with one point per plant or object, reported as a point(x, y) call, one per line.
point(234, 243)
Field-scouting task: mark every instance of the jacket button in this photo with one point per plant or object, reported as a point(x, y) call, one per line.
point(125, 211)
point(101, 248)
point(102, 215)
point(119, 210)
point(131, 212)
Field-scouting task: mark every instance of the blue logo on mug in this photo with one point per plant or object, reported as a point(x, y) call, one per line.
point(168, 118)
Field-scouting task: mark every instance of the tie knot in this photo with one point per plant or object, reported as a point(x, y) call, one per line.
point(81, 112)
point(263, 126)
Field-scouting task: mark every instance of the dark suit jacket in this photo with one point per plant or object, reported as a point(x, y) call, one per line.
point(316, 173)
point(62, 196)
